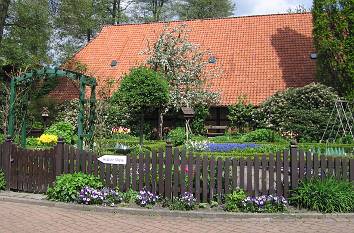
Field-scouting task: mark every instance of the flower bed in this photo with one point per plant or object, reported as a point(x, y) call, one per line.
point(226, 147)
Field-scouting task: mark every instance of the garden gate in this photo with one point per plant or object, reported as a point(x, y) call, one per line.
point(27, 170)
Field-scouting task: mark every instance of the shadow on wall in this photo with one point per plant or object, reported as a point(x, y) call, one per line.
point(294, 50)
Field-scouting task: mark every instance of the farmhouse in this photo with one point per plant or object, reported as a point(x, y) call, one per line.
point(258, 55)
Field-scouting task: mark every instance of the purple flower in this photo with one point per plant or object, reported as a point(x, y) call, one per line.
point(225, 147)
point(145, 198)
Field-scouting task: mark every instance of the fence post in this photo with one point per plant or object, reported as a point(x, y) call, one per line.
point(168, 168)
point(59, 157)
point(7, 159)
point(294, 164)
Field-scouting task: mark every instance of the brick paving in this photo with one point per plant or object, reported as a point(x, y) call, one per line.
point(16, 217)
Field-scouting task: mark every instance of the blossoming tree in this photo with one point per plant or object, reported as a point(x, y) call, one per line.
point(186, 67)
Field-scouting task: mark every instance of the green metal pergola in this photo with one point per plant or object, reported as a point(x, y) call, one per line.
point(43, 73)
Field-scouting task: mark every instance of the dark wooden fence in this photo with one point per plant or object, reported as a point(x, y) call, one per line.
point(172, 172)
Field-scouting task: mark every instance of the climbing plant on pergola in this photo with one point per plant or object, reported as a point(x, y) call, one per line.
point(38, 74)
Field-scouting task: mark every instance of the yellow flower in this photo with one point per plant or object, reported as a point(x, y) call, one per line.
point(48, 139)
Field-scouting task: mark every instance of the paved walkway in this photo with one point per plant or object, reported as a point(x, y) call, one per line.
point(16, 217)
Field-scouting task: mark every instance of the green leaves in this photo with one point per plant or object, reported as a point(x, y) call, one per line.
point(67, 187)
point(327, 196)
point(177, 136)
point(198, 122)
point(62, 129)
point(300, 112)
point(201, 9)
point(333, 23)
point(2, 180)
point(25, 43)
point(241, 115)
point(142, 90)
point(233, 201)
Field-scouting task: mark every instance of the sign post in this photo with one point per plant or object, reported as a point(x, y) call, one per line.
point(113, 159)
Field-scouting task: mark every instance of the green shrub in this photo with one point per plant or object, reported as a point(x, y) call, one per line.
point(262, 135)
point(198, 123)
point(241, 115)
point(177, 136)
point(68, 111)
point(130, 196)
point(263, 149)
point(2, 138)
point(203, 205)
point(327, 196)
point(32, 142)
point(68, 186)
point(233, 201)
point(2, 180)
point(142, 91)
point(304, 111)
point(185, 202)
point(62, 129)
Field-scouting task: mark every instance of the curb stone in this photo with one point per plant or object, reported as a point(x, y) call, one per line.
point(168, 213)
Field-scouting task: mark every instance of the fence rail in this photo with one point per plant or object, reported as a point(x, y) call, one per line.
point(173, 171)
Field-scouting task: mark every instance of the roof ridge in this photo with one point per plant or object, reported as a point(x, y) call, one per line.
point(206, 19)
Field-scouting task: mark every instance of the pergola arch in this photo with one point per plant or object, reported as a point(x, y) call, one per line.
point(42, 73)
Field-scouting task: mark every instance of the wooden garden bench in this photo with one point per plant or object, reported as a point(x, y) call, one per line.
point(216, 130)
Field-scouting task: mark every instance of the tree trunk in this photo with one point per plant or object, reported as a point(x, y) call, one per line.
point(160, 124)
point(4, 7)
point(141, 129)
point(116, 12)
point(88, 36)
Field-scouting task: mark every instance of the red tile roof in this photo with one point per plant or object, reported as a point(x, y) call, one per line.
point(259, 55)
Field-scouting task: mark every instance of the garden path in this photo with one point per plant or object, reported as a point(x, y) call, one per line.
point(16, 217)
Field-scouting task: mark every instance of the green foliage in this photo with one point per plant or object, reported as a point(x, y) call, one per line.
point(77, 21)
point(68, 186)
point(262, 135)
point(300, 112)
point(249, 152)
point(198, 123)
point(201, 9)
point(202, 205)
point(108, 145)
point(22, 47)
point(214, 204)
point(333, 39)
point(68, 111)
point(32, 142)
point(241, 115)
point(152, 10)
point(183, 203)
point(62, 129)
point(265, 204)
point(327, 196)
point(233, 201)
point(2, 180)
point(2, 138)
point(177, 136)
point(35, 108)
point(143, 90)
point(130, 196)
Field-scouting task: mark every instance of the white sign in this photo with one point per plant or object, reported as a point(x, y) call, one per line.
point(113, 159)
